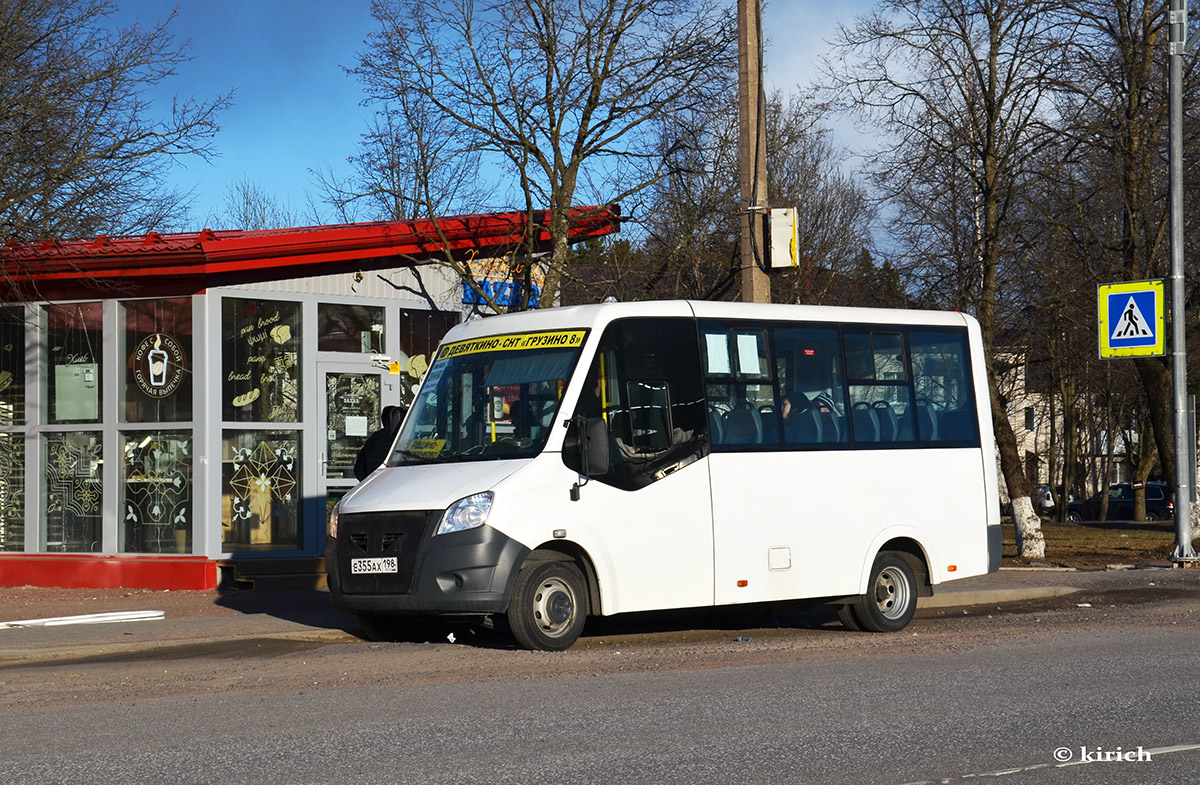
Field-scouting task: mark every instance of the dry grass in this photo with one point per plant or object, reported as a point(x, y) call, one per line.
point(1097, 545)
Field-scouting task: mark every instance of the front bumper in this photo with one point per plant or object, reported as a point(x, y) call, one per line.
point(469, 572)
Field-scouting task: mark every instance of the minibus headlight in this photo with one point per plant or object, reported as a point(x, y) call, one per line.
point(469, 513)
point(333, 516)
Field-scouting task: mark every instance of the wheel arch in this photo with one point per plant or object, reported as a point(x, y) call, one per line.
point(567, 551)
point(913, 552)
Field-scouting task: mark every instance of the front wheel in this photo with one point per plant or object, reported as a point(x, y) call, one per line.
point(1074, 517)
point(548, 606)
point(891, 597)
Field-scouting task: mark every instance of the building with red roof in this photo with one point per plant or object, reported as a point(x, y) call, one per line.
point(173, 406)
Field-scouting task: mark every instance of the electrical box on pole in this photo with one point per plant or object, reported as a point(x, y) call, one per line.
point(784, 248)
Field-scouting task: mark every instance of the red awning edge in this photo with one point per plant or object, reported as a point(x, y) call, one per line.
point(197, 260)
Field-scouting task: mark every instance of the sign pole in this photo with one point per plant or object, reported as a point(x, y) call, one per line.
point(1185, 471)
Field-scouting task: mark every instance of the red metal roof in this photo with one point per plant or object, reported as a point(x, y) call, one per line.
point(196, 260)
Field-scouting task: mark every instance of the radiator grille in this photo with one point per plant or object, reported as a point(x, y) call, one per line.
point(372, 535)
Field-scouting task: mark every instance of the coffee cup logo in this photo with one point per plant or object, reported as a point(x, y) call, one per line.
point(158, 365)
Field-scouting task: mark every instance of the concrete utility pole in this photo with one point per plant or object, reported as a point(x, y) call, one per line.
point(1185, 470)
point(752, 158)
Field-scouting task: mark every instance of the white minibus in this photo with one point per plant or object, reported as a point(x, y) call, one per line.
point(604, 459)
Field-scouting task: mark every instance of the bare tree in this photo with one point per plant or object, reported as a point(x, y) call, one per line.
point(805, 171)
point(562, 97)
point(960, 88)
point(249, 207)
point(1120, 117)
point(691, 233)
point(82, 149)
point(411, 163)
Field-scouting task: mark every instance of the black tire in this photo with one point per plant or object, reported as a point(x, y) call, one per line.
point(548, 607)
point(1151, 517)
point(891, 597)
point(1074, 517)
point(845, 613)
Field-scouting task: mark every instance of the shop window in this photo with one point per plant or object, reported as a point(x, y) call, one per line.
point(75, 347)
point(158, 350)
point(156, 492)
point(12, 492)
point(12, 367)
point(260, 350)
point(260, 504)
point(73, 492)
point(350, 328)
point(420, 334)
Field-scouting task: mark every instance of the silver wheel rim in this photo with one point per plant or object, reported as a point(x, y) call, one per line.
point(892, 593)
point(554, 607)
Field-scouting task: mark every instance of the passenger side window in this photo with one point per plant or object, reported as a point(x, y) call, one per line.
point(945, 399)
point(817, 386)
point(881, 407)
point(812, 405)
point(739, 387)
point(644, 383)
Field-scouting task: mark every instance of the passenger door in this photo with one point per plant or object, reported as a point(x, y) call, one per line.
point(647, 515)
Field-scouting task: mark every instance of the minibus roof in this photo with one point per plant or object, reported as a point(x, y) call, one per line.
point(592, 316)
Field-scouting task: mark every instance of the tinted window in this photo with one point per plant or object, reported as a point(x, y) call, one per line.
point(816, 386)
point(645, 384)
point(943, 386)
point(881, 406)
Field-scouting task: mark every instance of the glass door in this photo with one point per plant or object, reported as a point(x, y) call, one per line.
point(354, 397)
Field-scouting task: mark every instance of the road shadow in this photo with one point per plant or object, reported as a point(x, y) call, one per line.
point(742, 621)
point(310, 607)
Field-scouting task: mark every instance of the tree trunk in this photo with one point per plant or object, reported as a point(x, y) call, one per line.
point(1029, 529)
point(1029, 526)
point(1156, 380)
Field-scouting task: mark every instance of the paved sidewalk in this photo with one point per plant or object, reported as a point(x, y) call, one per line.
point(198, 617)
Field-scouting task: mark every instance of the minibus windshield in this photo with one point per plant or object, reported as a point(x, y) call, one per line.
point(489, 398)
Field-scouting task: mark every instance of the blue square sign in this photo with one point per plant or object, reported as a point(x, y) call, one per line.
point(1131, 319)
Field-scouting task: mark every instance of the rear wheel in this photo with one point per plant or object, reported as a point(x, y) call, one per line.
point(548, 606)
point(891, 597)
point(845, 612)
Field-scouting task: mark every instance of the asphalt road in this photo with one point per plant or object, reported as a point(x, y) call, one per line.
point(961, 694)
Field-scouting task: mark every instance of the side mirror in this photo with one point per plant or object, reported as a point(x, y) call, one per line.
point(593, 447)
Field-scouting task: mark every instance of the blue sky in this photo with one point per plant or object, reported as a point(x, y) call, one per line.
point(296, 109)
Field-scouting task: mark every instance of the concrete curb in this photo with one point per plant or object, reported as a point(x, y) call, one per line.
point(959, 599)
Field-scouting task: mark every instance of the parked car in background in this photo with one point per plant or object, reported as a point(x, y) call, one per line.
point(1159, 506)
point(1045, 499)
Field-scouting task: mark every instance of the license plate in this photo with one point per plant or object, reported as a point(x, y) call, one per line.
point(373, 566)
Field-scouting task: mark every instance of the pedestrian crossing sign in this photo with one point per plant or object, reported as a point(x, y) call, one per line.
point(1132, 319)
